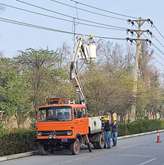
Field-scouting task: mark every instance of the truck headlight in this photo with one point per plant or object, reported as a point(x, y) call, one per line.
point(39, 133)
point(69, 133)
point(50, 137)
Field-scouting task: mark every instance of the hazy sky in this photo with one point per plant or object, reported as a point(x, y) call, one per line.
point(14, 37)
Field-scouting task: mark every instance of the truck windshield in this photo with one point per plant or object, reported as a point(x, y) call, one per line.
point(54, 114)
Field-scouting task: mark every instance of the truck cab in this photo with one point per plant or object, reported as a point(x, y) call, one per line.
point(60, 122)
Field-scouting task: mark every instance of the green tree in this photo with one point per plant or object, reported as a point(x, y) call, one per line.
point(14, 94)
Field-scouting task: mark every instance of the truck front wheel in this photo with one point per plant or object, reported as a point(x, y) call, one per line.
point(43, 149)
point(75, 147)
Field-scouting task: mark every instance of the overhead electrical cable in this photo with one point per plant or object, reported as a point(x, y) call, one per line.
point(88, 11)
point(157, 40)
point(104, 10)
point(54, 17)
point(11, 21)
point(160, 33)
point(68, 16)
point(157, 48)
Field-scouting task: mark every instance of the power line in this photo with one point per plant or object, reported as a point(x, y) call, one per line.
point(155, 27)
point(162, 57)
point(111, 12)
point(63, 19)
point(159, 55)
point(11, 21)
point(68, 16)
point(153, 36)
point(157, 48)
point(88, 11)
point(158, 40)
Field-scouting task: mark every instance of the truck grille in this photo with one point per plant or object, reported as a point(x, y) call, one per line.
point(57, 133)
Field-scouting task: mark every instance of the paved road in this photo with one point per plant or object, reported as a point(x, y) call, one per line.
point(135, 151)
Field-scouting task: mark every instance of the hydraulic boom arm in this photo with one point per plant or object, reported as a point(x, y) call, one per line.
point(85, 51)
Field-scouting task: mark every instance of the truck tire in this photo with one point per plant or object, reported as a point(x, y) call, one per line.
point(75, 147)
point(100, 142)
point(42, 149)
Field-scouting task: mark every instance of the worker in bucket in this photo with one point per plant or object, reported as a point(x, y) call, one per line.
point(107, 132)
point(114, 131)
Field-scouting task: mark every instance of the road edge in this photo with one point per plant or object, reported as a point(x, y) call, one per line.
point(16, 156)
point(27, 154)
point(140, 134)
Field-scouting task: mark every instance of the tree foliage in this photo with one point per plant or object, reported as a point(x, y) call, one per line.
point(29, 78)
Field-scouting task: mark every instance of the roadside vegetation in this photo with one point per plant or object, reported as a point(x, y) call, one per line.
point(140, 126)
point(27, 79)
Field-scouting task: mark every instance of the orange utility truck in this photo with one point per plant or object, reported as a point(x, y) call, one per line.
point(62, 123)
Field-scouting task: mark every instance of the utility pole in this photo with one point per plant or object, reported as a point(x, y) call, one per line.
point(139, 40)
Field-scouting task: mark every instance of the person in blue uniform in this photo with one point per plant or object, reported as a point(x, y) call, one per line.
point(114, 132)
point(107, 134)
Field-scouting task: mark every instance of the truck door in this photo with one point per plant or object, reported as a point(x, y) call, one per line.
point(81, 121)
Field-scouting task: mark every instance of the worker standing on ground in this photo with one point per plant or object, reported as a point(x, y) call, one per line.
point(107, 132)
point(114, 133)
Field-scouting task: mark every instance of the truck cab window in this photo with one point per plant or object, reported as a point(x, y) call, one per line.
point(55, 114)
point(79, 112)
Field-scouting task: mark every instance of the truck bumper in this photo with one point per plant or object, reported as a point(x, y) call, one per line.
point(55, 142)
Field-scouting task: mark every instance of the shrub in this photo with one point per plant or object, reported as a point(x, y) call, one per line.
point(17, 141)
point(140, 126)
